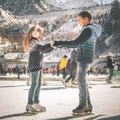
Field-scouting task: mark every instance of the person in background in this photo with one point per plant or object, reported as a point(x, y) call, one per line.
point(72, 68)
point(35, 65)
point(1, 69)
point(58, 69)
point(63, 64)
point(110, 66)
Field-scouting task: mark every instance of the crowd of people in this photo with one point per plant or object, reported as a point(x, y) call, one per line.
point(62, 68)
point(15, 69)
point(91, 70)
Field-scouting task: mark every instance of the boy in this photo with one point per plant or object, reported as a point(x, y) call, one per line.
point(85, 44)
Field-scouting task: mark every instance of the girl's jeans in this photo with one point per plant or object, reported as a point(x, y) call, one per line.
point(33, 95)
point(84, 98)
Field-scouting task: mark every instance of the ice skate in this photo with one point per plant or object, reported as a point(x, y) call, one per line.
point(109, 81)
point(89, 110)
point(80, 110)
point(39, 107)
point(31, 109)
point(64, 83)
point(28, 83)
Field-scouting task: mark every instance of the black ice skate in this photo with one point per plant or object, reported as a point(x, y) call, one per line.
point(80, 110)
point(89, 110)
point(85, 110)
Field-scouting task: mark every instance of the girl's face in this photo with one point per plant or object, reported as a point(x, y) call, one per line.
point(39, 37)
point(38, 32)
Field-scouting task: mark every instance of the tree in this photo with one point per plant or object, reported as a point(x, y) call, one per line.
point(115, 10)
point(115, 16)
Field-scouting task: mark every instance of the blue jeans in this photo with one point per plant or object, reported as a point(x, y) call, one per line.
point(84, 98)
point(111, 73)
point(33, 95)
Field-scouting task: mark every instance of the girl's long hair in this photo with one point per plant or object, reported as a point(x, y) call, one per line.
point(28, 37)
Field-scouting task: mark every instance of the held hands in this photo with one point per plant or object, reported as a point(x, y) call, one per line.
point(55, 44)
point(52, 43)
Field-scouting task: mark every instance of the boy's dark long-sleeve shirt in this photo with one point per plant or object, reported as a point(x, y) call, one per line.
point(84, 36)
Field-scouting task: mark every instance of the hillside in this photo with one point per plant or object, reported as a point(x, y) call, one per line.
point(29, 7)
point(58, 20)
point(37, 7)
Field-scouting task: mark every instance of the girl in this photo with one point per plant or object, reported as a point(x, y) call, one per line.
point(31, 44)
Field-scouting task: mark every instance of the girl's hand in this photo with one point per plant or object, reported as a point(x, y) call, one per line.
point(52, 44)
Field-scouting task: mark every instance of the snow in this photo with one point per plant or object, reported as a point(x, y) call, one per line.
point(56, 55)
point(6, 18)
point(5, 45)
point(68, 4)
point(69, 27)
point(11, 56)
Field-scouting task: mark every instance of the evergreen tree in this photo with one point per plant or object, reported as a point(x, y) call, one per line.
point(115, 16)
point(115, 10)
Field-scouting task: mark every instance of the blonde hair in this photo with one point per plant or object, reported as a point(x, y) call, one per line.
point(28, 37)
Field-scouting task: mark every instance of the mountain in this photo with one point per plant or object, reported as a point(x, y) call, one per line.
point(27, 7)
point(7, 18)
point(37, 7)
point(71, 4)
point(59, 20)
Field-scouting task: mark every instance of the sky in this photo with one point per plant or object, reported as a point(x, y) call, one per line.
point(104, 1)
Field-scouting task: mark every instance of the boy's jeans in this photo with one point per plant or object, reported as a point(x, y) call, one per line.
point(33, 96)
point(84, 98)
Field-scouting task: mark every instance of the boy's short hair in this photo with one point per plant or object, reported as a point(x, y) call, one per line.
point(84, 14)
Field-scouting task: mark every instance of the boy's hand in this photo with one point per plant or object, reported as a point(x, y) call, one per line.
point(57, 44)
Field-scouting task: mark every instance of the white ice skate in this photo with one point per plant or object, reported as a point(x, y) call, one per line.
point(31, 109)
point(39, 107)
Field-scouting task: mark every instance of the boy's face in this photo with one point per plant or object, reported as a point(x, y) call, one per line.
point(83, 21)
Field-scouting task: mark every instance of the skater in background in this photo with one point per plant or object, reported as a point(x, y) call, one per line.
point(67, 69)
point(1, 69)
point(85, 44)
point(72, 68)
point(110, 66)
point(35, 63)
point(58, 69)
point(63, 64)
